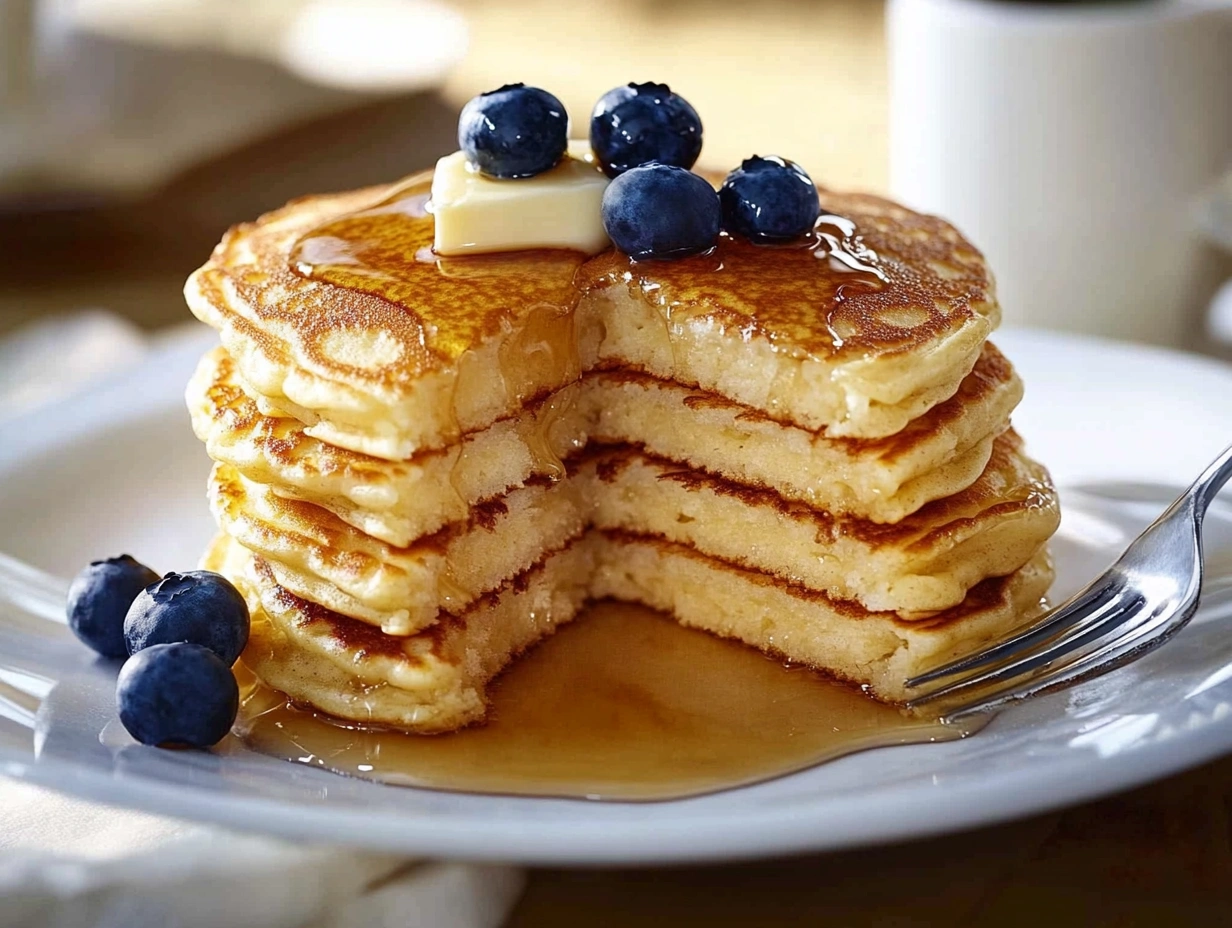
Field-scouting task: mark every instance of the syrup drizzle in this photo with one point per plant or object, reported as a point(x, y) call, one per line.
point(455, 304)
point(785, 293)
point(806, 297)
point(621, 705)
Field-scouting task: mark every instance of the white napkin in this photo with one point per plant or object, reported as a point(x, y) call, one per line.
point(46, 360)
point(69, 863)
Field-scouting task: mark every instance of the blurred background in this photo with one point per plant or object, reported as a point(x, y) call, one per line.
point(133, 132)
point(1081, 145)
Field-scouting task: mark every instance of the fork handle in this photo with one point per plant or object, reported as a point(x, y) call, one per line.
point(1208, 485)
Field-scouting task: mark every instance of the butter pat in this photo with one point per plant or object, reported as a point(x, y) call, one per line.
point(559, 208)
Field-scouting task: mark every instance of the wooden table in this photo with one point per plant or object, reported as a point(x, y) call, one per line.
point(1158, 856)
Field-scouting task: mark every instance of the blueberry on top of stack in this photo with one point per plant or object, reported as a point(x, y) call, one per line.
point(513, 131)
point(640, 123)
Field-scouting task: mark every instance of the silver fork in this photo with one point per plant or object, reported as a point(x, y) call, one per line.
point(1140, 602)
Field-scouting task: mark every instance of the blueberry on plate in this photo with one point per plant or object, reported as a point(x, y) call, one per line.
point(769, 199)
point(177, 693)
point(200, 607)
point(513, 131)
point(660, 211)
point(98, 600)
point(639, 123)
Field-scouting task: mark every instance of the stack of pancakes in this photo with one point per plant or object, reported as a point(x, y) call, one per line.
point(424, 466)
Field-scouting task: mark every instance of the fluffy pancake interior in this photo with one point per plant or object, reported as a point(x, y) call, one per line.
point(430, 682)
point(923, 564)
point(884, 480)
point(319, 556)
point(435, 681)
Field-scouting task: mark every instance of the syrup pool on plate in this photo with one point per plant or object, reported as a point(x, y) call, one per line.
point(622, 704)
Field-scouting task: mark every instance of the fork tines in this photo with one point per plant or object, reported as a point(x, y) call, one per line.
point(1057, 649)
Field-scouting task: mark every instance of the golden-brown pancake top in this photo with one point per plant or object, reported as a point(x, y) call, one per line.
point(872, 278)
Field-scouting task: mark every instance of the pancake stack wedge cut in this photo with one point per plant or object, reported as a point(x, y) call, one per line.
point(426, 465)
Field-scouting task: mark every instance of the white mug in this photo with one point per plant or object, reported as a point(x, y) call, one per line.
point(1070, 143)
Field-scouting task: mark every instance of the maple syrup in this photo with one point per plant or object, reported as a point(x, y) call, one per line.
point(622, 704)
point(452, 304)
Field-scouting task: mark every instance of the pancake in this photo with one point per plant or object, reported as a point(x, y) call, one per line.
point(876, 650)
point(337, 313)
point(320, 557)
point(883, 479)
point(428, 683)
point(924, 564)
point(939, 454)
point(395, 502)
point(435, 681)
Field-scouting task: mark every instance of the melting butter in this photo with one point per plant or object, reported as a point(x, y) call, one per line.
point(560, 208)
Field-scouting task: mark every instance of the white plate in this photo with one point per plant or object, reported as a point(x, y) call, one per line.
point(119, 470)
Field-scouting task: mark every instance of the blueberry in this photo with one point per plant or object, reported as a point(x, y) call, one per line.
point(639, 123)
point(769, 199)
point(513, 131)
point(199, 607)
point(660, 211)
point(98, 600)
point(177, 693)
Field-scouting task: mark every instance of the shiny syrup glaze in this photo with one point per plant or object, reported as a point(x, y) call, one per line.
point(622, 704)
point(870, 276)
point(454, 303)
point(793, 294)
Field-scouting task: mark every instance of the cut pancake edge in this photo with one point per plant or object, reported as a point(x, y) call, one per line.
point(218, 370)
point(922, 565)
point(883, 480)
point(435, 681)
point(429, 683)
point(326, 560)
